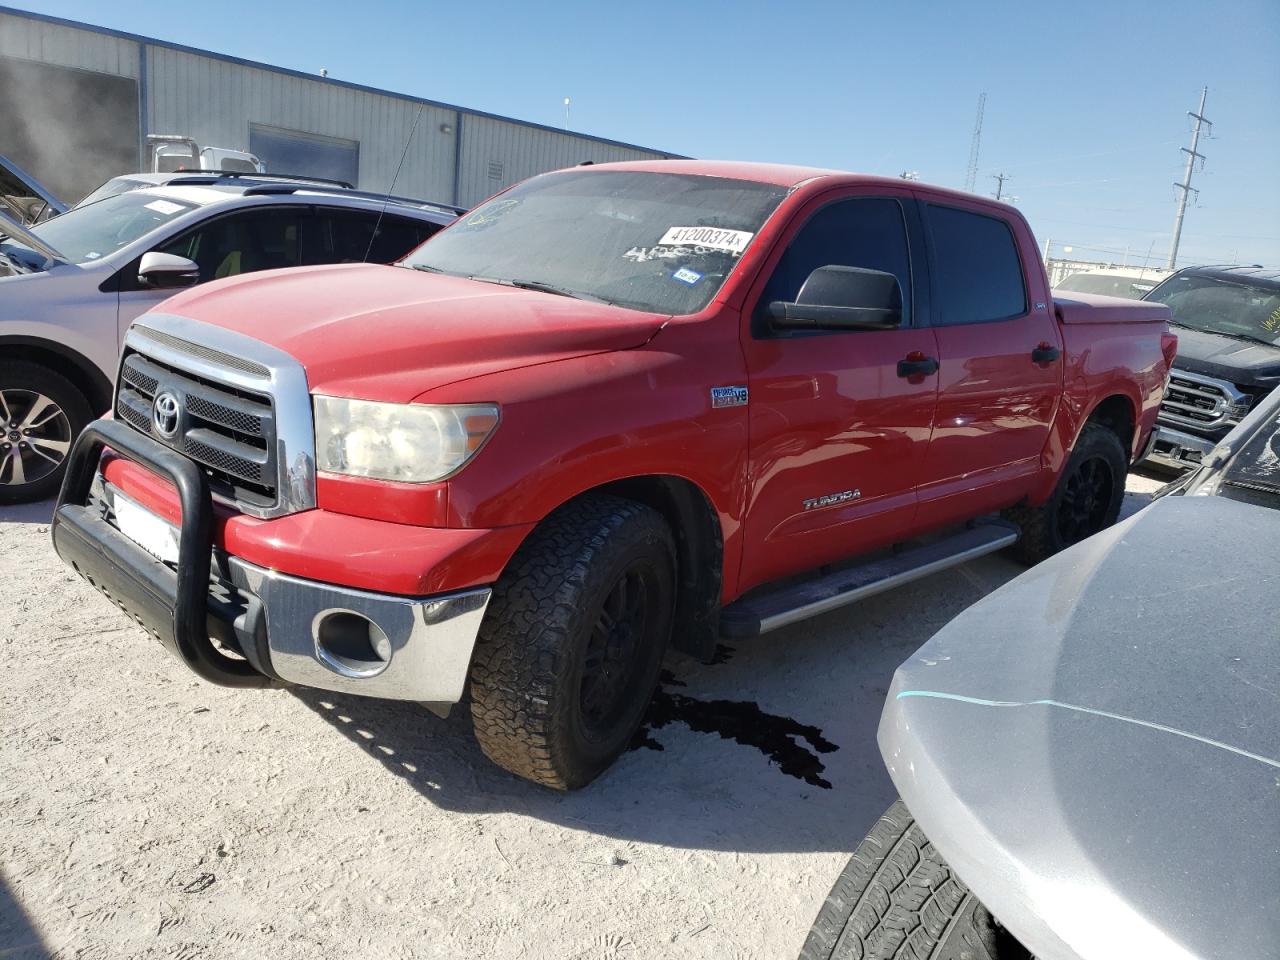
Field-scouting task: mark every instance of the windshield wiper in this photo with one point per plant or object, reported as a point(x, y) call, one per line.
point(541, 287)
point(424, 267)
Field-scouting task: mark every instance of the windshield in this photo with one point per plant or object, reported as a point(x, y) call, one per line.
point(1131, 288)
point(650, 241)
point(114, 186)
point(87, 233)
point(1222, 306)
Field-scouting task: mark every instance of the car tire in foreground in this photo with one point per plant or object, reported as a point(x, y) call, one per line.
point(572, 642)
point(898, 899)
point(1086, 500)
point(41, 414)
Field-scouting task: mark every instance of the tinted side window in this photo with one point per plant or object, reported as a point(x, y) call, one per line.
point(975, 267)
point(342, 237)
point(241, 243)
point(861, 232)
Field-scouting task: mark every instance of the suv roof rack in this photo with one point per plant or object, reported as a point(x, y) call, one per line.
point(207, 176)
point(274, 188)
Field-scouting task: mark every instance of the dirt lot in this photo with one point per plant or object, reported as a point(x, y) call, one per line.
point(144, 813)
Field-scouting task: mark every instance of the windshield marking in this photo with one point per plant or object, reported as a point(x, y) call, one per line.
point(1151, 725)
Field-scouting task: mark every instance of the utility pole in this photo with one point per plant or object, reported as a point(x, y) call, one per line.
point(1000, 178)
point(975, 144)
point(1185, 185)
point(566, 113)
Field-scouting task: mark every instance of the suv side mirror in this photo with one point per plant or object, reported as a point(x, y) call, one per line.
point(842, 298)
point(167, 270)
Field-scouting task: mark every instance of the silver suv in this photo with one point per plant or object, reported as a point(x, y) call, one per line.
point(70, 287)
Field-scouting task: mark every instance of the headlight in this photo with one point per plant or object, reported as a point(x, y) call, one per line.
point(410, 442)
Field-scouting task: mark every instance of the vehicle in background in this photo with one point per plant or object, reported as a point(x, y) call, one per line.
point(24, 198)
point(169, 153)
point(1228, 323)
point(1087, 757)
point(69, 287)
point(610, 401)
point(1132, 283)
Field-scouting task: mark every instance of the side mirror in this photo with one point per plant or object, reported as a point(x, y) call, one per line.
point(165, 270)
point(842, 298)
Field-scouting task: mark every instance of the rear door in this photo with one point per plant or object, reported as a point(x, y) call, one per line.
point(837, 436)
point(1001, 364)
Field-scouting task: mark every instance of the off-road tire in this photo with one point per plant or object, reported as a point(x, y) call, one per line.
point(25, 376)
point(898, 900)
point(531, 654)
point(1041, 537)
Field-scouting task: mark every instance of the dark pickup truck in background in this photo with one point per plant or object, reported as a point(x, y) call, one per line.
point(1228, 326)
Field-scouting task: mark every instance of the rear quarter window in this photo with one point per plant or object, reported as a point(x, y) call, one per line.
point(976, 269)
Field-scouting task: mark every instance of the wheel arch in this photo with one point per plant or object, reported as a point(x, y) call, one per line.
point(1118, 414)
point(695, 525)
point(76, 367)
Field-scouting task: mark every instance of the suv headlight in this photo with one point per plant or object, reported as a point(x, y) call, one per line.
point(409, 442)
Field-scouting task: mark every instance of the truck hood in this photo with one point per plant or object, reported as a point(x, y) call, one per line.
point(1093, 747)
point(1244, 362)
point(391, 333)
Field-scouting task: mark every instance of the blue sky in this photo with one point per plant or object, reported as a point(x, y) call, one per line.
point(1086, 102)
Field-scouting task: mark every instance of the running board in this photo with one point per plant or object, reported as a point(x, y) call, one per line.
point(759, 614)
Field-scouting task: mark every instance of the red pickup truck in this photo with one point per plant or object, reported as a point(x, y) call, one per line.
point(613, 407)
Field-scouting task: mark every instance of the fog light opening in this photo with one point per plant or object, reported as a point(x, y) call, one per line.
point(351, 644)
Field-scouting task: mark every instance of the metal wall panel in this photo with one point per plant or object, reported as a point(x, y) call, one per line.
point(497, 153)
point(67, 47)
point(215, 101)
point(455, 155)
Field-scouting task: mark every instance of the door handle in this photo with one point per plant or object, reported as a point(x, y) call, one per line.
point(1045, 353)
point(917, 364)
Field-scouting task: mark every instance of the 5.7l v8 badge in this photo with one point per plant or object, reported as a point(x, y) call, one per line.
point(728, 397)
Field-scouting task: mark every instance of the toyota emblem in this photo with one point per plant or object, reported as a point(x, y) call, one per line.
point(164, 414)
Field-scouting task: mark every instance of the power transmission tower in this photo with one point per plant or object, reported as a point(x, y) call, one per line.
point(1000, 178)
point(1185, 185)
point(972, 176)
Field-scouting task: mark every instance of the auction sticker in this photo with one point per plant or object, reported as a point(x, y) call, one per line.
point(164, 206)
point(711, 238)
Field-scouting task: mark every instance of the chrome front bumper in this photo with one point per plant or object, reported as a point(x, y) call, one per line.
point(240, 625)
point(429, 640)
point(1177, 448)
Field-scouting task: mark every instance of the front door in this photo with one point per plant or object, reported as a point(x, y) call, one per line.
point(1001, 374)
point(258, 239)
point(837, 435)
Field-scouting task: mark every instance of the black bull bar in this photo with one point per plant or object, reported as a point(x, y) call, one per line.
point(174, 605)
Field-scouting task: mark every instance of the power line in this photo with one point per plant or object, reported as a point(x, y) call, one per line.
point(1185, 185)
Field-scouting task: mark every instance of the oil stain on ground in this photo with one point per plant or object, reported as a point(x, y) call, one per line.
point(778, 738)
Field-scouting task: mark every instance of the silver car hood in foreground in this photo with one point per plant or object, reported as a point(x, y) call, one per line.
point(1095, 747)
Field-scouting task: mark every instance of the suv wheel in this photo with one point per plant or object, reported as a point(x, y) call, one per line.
point(1087, 498)
point(571, 645)
point(41, 414)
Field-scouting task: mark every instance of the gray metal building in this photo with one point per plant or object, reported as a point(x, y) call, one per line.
point(77, 102)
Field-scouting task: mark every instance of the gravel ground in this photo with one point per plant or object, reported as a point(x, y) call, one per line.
point(144, 813)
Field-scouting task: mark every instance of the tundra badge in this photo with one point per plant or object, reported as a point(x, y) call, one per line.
point(830, 499)
point(728, 397)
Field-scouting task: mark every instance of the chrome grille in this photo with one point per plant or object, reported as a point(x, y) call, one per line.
point(244, 409)
point(1194, 400)
point(206, 353)
point(230, 431)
